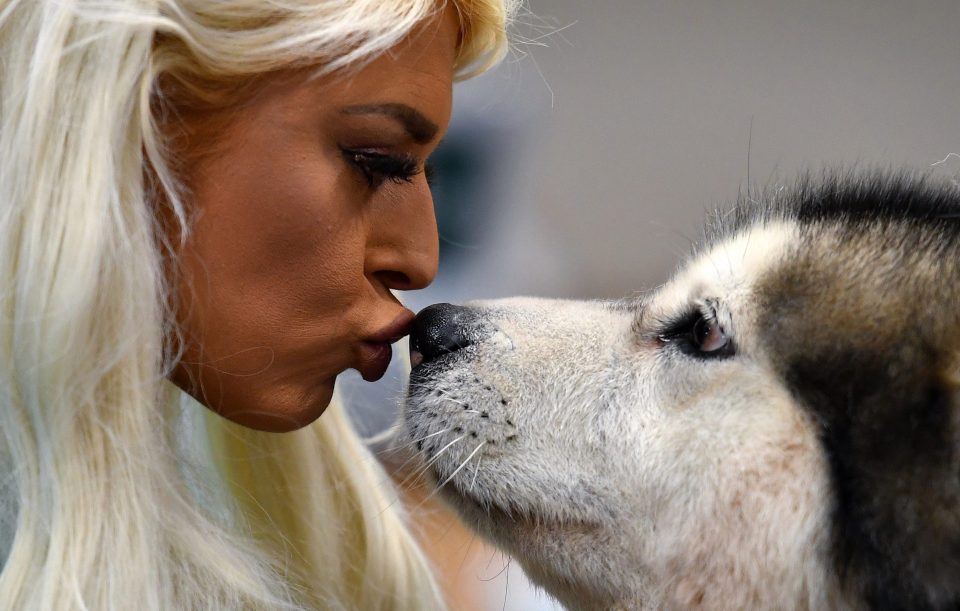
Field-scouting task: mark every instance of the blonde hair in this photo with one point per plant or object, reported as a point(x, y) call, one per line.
point(106, 502)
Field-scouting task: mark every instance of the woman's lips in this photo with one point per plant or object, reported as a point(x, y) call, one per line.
point(374, 360)
point(398, 328)
point(375, 350)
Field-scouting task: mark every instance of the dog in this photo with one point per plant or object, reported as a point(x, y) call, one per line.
point(777, 427)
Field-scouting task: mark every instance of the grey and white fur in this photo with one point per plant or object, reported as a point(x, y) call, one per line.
point(777, 427)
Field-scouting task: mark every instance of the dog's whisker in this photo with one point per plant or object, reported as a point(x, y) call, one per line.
point(476, 472)
point(415, 441)
point(449, 397)
point(430, 462)
point(437, 489)
point(458, 469)
point(411, 445)
point(447, 447)
point(445, 394)
point(406, 443)
point(419, 471)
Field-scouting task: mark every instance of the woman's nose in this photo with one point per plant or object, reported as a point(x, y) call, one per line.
point(403, 246)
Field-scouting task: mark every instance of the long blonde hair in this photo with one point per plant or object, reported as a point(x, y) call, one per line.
point(109, 499)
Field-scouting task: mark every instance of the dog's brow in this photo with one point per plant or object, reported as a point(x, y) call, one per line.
point(621, 305)
point(639, 308)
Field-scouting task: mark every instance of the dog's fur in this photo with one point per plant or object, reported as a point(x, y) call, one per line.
point(813, 463)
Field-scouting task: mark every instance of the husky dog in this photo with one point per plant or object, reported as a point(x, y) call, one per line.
point(777, 427)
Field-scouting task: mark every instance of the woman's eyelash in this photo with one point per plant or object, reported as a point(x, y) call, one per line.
point(379, 167)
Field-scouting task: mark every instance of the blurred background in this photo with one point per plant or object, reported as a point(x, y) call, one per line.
point(584, 165)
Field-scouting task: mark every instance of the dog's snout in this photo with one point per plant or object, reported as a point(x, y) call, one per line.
point(440, 329)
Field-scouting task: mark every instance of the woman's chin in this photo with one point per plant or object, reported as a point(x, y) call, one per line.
point(279, 411)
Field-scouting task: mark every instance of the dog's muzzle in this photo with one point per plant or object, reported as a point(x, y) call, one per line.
point(440, 329)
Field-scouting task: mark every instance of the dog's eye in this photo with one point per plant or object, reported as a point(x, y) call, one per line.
point(699, 335)
point(708, 336)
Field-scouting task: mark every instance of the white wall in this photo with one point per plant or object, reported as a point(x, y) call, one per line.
point(651, 122)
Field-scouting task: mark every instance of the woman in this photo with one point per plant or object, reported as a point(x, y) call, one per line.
point(223, 195)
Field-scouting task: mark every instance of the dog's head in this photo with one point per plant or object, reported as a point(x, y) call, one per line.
point(775, 427)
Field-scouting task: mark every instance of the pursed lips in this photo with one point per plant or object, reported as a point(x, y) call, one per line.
point(376, 350)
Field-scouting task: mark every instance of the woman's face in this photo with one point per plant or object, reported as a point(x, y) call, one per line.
point(310, 205)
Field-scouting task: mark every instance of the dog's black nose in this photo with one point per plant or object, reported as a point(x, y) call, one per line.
point(440, 329)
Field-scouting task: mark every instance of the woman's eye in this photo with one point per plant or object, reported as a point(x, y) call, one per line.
point(378, 167)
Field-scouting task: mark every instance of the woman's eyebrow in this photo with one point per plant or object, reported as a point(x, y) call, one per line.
point(420, 128)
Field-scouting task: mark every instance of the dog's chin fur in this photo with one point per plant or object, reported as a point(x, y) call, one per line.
point(811, 461)
point(533, 538)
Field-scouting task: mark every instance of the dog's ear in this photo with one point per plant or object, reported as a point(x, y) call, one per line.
point(888, 421)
